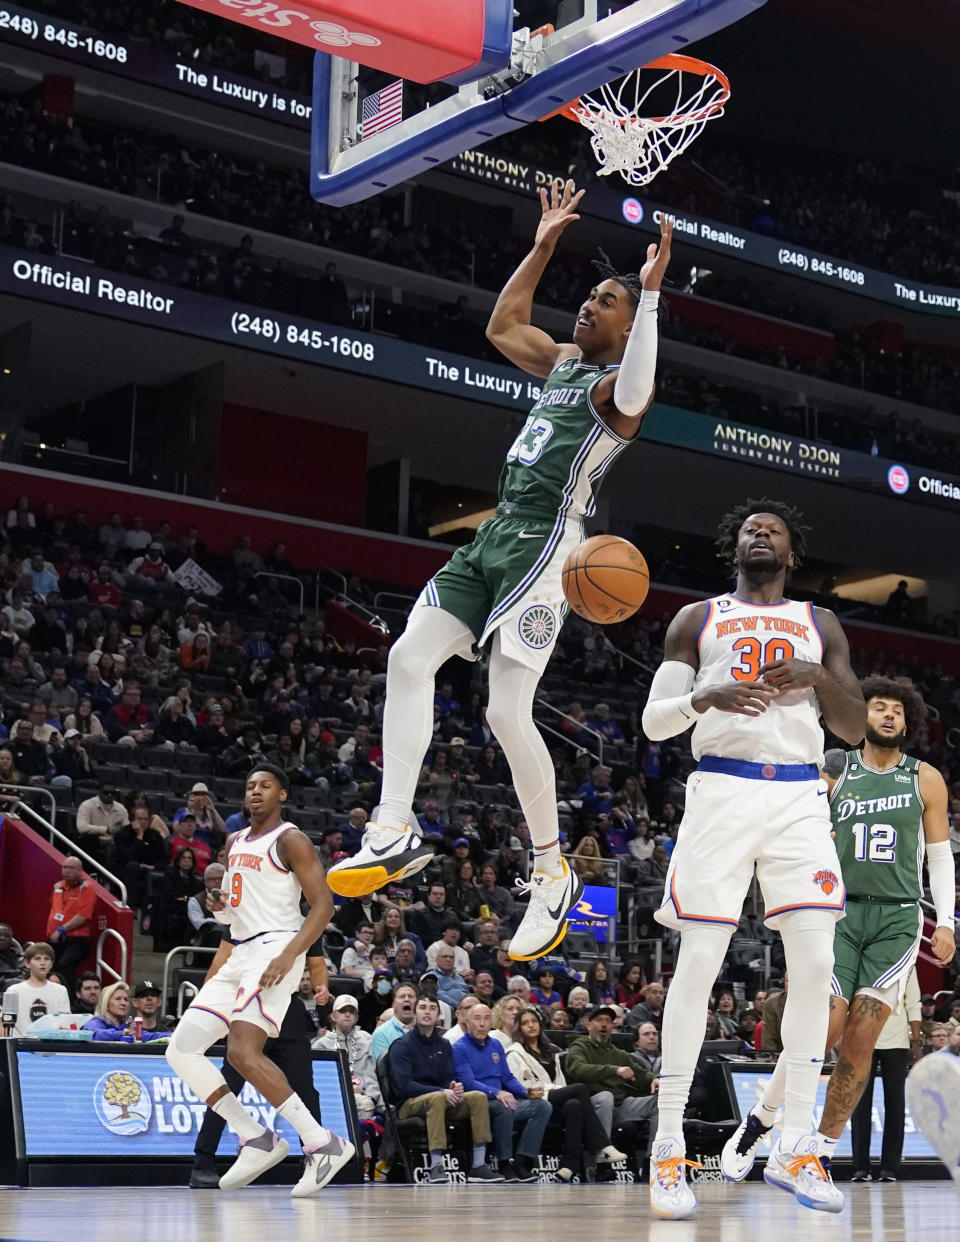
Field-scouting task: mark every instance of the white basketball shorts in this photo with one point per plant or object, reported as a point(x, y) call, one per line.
point(733, 823)
point(234, 993)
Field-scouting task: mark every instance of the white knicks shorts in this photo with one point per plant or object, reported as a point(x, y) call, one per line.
point(732, 824)
point(234, 993)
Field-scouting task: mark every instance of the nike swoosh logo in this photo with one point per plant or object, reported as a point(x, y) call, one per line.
point(555, 914)
point(858, 778)
point(387, 849)
point(523, 535)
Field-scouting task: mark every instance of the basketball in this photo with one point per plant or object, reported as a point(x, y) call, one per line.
point(605, 579)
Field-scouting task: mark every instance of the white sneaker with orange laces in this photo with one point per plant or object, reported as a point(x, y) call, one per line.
point(670, 1196)
point(803, 1171)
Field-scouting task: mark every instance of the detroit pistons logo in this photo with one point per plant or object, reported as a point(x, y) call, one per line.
point(826, 881)
point(537, 626)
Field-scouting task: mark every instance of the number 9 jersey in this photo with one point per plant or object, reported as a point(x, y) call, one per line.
point(736, 640)
point(262, 894)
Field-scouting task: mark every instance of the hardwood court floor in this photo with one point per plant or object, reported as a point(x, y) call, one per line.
point(904, 1212)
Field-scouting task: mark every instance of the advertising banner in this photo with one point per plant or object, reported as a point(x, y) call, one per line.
point(117, 1105)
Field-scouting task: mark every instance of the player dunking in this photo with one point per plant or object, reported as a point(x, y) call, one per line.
point(271, 864)
point(887, 809)
point(505, 587)
point(753, 672)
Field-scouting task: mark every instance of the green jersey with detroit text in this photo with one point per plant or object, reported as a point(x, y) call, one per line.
point(559, 459)
point(878, 820)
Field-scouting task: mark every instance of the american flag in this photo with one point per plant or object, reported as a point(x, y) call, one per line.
point(382, 109)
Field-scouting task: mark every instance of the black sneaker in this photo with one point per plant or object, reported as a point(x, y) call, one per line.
point(483, 1173)
point(508, 1171)
point(861, 1175)
point(525, 1170)
point(436, 1177)
point(204, 1175)
point(886, 1176)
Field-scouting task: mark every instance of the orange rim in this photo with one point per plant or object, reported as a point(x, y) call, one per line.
point(673, 61)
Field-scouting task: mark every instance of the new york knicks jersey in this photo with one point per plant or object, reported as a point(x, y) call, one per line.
point(261, 893)
point(736, 640)
point(559, 459)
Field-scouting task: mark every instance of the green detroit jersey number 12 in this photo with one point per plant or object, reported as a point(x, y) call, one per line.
point(877, 817)
point(558, 461)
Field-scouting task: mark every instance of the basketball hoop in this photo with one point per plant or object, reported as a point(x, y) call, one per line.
point(639, 147)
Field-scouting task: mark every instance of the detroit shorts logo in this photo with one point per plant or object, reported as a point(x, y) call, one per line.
point(826, 881)
point(537, 626)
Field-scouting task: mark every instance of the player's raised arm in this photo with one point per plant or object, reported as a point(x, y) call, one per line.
point(634, 387)
point(936, 833)
point(510, 328)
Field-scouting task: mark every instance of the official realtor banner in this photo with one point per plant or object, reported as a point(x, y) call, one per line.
point(111, 1104)
point(796, 454)
point(131, 59)
point(71, 283)
point(508, 172)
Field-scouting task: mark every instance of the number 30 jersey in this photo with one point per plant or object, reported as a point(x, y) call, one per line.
point(878, 821)
point(261, 893)
point(559, 459)
point(736, 640)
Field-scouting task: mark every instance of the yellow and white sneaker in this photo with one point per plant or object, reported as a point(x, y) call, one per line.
point(386, 854)
point(545, 923)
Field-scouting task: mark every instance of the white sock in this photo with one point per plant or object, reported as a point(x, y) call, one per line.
point(702, 949)
point(828, 1146)
point(808, 947)
point(766, 1116)
point(234, 1114)
point(510, 716)
point(773, 1093)
point(549, 860)
point(312, 1133)
point(432, 636)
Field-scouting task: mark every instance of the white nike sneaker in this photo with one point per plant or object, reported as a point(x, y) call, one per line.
point(740, 1150)
point(933, 1093)
point(805, 1173)
point(386, 854)
point(670, 1196)
point(256, 1156)
point(545, 923)
point(322, 1164)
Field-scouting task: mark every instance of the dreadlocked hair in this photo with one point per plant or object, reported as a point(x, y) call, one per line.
point(792, 518)
point(902, 691)
point(629, 280)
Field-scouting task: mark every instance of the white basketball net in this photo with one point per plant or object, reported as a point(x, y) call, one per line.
point(639, 147)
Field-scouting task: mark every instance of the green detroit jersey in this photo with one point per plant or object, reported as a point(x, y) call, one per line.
point(559, 459)
point(877, 817)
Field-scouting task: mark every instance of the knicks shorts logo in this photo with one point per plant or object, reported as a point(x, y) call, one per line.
point(826, 881)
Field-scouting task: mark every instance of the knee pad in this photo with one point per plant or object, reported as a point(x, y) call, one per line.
point(185, 1056)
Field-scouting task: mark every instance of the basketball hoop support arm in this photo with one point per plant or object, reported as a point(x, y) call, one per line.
point(480, 111)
